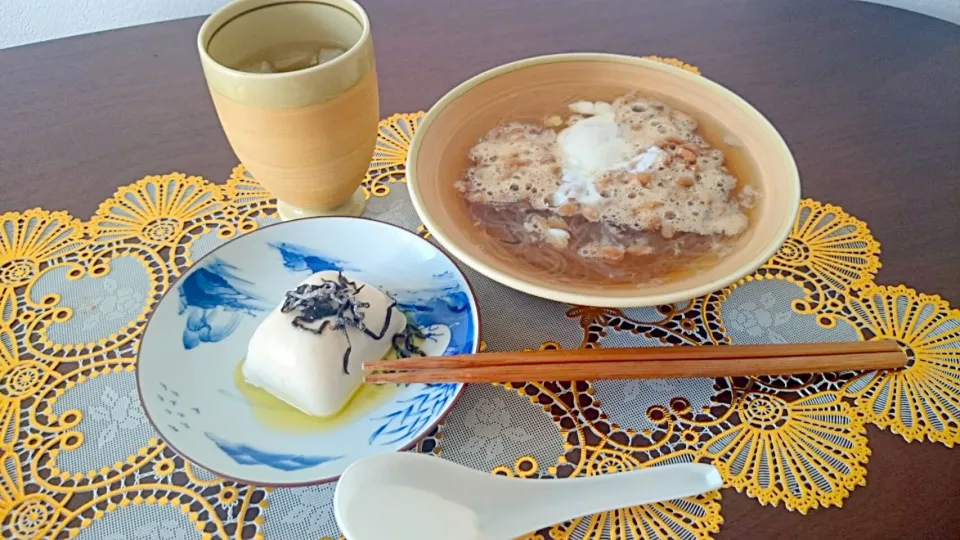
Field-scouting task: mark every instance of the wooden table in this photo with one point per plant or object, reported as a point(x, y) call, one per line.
point(868, 98)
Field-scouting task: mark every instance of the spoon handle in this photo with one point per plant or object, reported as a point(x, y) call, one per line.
point(534, 504)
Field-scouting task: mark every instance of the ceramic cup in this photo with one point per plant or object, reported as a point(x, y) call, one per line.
point(306, 135)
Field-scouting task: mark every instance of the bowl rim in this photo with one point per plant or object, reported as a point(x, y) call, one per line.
point(791, 181)
point(412, 444)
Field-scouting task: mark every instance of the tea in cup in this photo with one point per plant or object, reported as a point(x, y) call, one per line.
point(295, 87)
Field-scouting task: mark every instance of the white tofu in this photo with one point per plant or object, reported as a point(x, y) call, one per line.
point(304, 368)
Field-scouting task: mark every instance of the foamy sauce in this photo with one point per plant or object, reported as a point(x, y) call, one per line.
point(591, 147)
point(624, 193)
point(407, 513)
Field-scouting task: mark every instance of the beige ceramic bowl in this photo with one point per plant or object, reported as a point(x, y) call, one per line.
point(534, 88)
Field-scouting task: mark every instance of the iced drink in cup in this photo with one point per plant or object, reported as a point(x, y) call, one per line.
point(295, 87)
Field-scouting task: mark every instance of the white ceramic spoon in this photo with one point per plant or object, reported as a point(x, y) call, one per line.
point(406, 496)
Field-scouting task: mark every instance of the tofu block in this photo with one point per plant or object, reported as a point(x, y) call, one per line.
point(314, 366)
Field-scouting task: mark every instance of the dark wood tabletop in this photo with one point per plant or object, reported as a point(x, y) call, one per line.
point(867, 97)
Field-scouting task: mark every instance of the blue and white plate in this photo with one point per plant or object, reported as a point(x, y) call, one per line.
point(197, 337)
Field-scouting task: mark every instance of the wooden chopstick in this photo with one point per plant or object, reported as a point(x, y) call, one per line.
point(634, 354)
point(655, 369)
point(641, 363)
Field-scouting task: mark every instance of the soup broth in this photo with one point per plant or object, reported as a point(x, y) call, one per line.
point(626, 192)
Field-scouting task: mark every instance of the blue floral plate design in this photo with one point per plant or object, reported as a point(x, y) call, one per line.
point(198, 335)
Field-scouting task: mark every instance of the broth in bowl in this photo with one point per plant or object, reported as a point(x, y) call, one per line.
point(621, 192)
point(596, 135)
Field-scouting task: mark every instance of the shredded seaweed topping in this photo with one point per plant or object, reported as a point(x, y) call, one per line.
point(335, 302)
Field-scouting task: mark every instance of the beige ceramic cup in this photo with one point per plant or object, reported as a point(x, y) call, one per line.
point(308, 135)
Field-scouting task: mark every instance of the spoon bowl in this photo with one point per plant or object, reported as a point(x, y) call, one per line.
point(394, 496)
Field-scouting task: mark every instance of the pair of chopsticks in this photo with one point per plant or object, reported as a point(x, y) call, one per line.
point(640, 363)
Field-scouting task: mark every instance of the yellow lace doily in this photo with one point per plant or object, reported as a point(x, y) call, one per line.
point(69, 329)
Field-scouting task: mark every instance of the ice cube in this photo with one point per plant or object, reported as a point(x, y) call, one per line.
point(294, 60)
point(328, 54)
point(258, 67)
